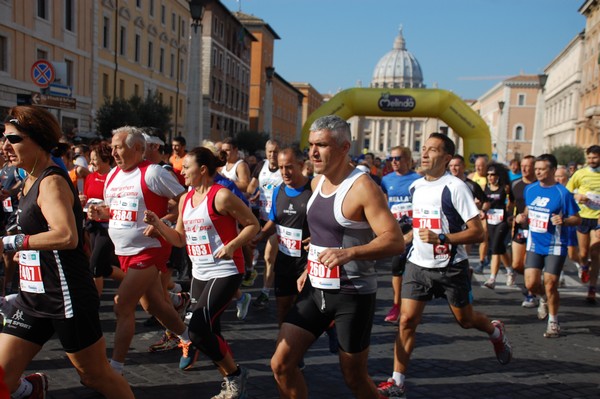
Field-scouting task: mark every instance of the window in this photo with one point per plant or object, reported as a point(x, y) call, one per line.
point(519, 133)
point(105, 85)
point(521, 100)
point(173, 21)
point(136, 90)
point(161, 61)
point(42, 55)
point(69, 16)
point(3, 54)
point(106, 32)
point(151, 10)
point(163, 14)
point(417, 146)
point(42, 9)
point(172, 71)
point(69, 68)
point(181, 69)
point(138, 40)
point(150, 54)
point(121, 88)
point(138, 3)
point(123, 41)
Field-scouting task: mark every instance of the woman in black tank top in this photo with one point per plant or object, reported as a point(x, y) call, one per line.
point(57, 293)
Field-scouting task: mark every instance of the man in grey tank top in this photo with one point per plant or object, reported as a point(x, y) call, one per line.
point(350, 226)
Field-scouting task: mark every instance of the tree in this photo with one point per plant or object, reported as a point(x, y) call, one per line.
point(133, 112)
point(251, 142)
point(569, 153)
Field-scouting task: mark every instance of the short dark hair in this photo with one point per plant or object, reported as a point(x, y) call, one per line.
point(549, 158)
point(593, 149)
point(449, 147)
point(180, 140)
point(231, 141)
point(459, 157)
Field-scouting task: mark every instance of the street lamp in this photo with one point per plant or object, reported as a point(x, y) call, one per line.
point(268, 124)
point(543, 79)
point(501, 105)
point(197, 11)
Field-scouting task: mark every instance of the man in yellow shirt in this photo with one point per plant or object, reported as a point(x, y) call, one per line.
point(585, 185)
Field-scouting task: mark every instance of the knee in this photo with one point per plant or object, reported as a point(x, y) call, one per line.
point(122, 308)
point(408, 322)
point(199, 326)
point(279, 367)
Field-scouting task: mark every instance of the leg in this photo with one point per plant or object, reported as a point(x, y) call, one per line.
point(595, 258)
point(410, 316)
point(292, 343)
point(15, 355)
point(583, 239)
point(356, 374)
point(96, 373)
point(271, 249)
point(467, 318)
point(284, 304)
point(533, 280)
point(518, 257)
point(397, 287)
point(10, 266)
point(551, 289)
point(157, 304)
point(133, 286)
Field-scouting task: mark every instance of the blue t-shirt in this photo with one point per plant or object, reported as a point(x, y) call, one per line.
point(396, 186)
point(543, 202)
point(514, 176)
point(225, 182)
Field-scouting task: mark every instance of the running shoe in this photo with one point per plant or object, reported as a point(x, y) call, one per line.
point(189, 356)
point(234, 387)
point(584, 274)
point(510, 279)
point(591, 296)
point(562, 283)
point(542, 310)
point(553, 330)
point(262, 301)
point(242, 306)
point(393, 315)
point(502, 347)
point(530, 302)
point(389, 389)
point(39, 381)
point(183, 304)
point(249, 278)
point(167, 342)
point(478, 269)
point(490, 283)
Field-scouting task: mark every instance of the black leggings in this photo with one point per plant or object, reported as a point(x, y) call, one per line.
point(211, 298)
point(103, 250)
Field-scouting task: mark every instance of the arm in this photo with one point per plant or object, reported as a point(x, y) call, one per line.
point(366, 200)
point(174, 236)
point(243, 173)
point(267, 231)
point(471, 235)
point(252, 193)
point(226, 203)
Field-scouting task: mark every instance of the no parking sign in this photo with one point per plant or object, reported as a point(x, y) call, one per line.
point(42, 73)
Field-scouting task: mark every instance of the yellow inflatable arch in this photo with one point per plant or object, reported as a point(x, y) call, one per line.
point(435, 103)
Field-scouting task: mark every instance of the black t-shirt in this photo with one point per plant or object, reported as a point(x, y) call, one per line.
point(517, 196)
point(476, 190)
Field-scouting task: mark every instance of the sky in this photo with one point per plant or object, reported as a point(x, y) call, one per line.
point(465, 46)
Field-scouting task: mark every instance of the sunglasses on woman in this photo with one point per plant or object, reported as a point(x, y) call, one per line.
point(14, 138)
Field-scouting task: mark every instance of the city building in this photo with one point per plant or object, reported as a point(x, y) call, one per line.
point(311, 100)
point(561, 97)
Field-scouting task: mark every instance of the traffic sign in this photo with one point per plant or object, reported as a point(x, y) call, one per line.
point(45, 100)
point(56, 89)
point(42, 73)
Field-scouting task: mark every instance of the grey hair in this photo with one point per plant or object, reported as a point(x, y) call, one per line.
point(135, 136)
point(272, 142)
point(339, 128)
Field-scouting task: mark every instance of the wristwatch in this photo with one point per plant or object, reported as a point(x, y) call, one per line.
point(442, 237)
point(168, 223)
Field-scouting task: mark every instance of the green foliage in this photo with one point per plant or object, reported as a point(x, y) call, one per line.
point(251, 142)
point(569, 153)
point(119, 112)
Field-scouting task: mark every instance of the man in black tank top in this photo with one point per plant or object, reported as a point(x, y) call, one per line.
point(350, 226)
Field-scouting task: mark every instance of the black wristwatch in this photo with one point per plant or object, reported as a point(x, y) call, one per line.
point(442, 237)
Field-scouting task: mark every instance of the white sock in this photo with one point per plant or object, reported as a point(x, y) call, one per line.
point(117, 366)
point(185, 336)
point(493, 277)
point(553, 317)
point(398, 378)
point(265, 290)
point(509, 270)
point(23, 391)
point(495, 335)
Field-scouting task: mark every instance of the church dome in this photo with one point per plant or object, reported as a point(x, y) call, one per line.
point(398, 68)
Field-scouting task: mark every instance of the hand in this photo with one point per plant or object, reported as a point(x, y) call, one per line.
point(520, 218)
point(482, 214)
point(83, 199)
point(428, 236)
point(226, 252)
point(556, 220)
point(151, 231)
point(306, 243)
point(254, 242)
point(581, 198)
point(301, 281)
point(98, 212)
point(151, 218)
point(332, 257)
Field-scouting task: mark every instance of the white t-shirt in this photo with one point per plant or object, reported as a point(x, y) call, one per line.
point(443, 206)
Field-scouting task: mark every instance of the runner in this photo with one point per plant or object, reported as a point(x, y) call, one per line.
point(350, 225)
point(562, 177)
point(207, 225)
point(550, 207)
point(444, 217)
point(585, 184)
point(479, 176)
point(395, 187)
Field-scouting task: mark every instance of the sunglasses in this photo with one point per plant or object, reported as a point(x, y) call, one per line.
point(397, 159)
point(492, 174)
point(13, 138)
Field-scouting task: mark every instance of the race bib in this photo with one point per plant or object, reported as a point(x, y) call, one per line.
point(123, 213)
point(290, 240)
point(7, 205)
point(30, 272)
point(404, 209)
point(320, 275)
point(495, 216)
point(441, 251)
point(427, 218)
point(593, 201)
point(538, 221)
point(198, 247)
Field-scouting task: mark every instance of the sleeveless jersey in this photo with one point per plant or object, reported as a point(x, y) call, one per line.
point(206, 232)
point(542, 202)
point(128, 195)
point(587, 182)
point(267, 181)
point(54, 283)
point(231, 174)
point(330, 229)
point(497, 199)
point(289, 215)
point(442, 206)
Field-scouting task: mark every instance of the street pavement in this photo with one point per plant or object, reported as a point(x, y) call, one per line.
point(448, 361)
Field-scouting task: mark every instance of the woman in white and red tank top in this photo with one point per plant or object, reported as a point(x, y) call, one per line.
point(207, 225)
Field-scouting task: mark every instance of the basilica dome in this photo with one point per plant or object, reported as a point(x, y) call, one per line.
point(398, 68)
